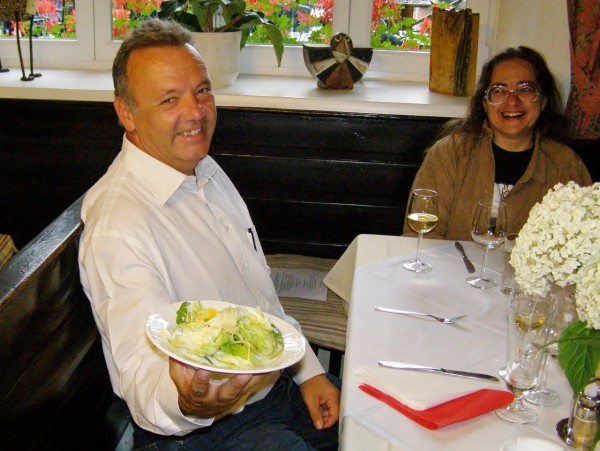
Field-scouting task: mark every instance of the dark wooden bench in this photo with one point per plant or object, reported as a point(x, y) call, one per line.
point(55, 391)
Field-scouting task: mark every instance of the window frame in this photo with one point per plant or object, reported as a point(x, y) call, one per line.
point(64, 53)
point(95, 49)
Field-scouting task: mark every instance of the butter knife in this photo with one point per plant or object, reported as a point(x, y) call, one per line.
point(412, 367)
point(461, 250)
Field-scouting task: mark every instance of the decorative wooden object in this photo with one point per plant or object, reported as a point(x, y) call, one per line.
point(17, 10)
point(338, 65)
point(453, 57)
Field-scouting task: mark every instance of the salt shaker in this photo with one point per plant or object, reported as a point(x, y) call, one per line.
point(586, 417)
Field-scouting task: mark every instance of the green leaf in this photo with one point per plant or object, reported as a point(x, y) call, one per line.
point(252, 19)
point(198, 15)
point(182, 312)
point(276, 39)
point(579, 354)
point(169, 7)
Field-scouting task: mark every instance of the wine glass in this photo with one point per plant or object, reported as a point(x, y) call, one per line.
point(488, 231)
point(422, 218)
point(529, 321)
point(564, 314)
point(541, 395)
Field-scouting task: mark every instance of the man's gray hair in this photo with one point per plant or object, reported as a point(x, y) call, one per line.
point(151, 33)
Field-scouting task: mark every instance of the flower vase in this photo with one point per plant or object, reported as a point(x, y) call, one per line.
point(221, 54)
point(565, 312)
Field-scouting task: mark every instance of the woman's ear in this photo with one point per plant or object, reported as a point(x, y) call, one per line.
point(124, 113)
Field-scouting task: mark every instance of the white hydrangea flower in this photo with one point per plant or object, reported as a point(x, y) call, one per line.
point(587, 293)
point(560, 244)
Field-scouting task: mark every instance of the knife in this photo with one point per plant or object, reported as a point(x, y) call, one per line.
point(468, 263)
point(412, 367)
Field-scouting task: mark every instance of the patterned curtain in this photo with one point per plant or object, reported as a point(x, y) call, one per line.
point(583, 105)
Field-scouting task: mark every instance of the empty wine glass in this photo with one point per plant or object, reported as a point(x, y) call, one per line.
point(565, 313)
point(541, 395)
point(422, 217)
point(528, 325)
point(488, 231)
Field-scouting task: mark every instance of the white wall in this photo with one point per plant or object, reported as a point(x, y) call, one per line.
point(539, 24)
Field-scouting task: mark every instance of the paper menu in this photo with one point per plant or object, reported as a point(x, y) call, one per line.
point(299, 283)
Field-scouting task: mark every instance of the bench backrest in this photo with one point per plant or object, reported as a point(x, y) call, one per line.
point(55, 391)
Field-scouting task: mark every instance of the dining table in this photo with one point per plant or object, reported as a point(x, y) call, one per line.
point(370, 274)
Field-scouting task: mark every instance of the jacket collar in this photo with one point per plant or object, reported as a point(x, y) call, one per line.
point(536, 169)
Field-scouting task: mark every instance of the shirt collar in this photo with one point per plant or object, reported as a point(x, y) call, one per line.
point(161, 179)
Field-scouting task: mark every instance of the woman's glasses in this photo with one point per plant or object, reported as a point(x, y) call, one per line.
point(525, 92)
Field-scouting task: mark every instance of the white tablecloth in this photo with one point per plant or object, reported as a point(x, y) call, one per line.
point(476, 343)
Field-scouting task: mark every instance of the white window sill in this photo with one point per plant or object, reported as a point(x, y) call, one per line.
point(254, 91)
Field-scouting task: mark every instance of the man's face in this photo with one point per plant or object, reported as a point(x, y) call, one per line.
point(175, 115)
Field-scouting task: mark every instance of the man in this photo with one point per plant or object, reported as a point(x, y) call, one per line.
point(165, 224)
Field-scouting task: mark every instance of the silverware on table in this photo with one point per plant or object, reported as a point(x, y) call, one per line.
point(412, 367)
point(443, 320)
point(461, 250)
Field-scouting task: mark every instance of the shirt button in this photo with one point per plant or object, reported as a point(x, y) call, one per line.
point(226, 227)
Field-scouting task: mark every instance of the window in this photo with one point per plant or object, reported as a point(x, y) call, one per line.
point(354, 17)
point(97, 22)
point(75, 49)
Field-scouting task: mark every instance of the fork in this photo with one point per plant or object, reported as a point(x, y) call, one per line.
point(450, 320)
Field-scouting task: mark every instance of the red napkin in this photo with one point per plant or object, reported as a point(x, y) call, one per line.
point(454, 411)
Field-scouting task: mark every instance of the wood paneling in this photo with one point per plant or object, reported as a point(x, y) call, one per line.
point(312, 180)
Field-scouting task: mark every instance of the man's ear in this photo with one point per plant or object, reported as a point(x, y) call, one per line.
point(124, 113)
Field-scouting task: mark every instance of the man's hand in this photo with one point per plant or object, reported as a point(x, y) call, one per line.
point(198, 397)
point(323, 401)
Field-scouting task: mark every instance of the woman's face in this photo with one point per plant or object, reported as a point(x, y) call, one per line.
point(513, 122)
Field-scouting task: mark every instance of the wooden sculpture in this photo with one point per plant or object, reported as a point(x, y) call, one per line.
point(338, 65)
point(18, 10)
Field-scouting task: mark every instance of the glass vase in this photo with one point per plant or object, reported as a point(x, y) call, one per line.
point(564, 314)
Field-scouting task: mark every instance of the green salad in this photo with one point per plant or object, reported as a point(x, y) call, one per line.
point(235, 337)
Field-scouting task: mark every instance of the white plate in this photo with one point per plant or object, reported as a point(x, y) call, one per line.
point(530, 444)
point(294, 344)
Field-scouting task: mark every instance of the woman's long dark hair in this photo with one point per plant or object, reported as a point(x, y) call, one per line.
point(551, 123)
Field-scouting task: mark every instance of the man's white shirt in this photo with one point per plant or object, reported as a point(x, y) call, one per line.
point(154, 236)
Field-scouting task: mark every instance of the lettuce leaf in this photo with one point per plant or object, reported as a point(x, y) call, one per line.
point(235, 337)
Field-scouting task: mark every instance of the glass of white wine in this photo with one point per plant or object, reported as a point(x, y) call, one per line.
point(487, 231)
point(422, 217)
point(529, 322)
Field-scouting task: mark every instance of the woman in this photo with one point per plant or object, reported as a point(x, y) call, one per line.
point(511, 146)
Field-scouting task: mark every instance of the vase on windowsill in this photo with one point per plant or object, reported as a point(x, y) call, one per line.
point(221, 54)
point(221, 17)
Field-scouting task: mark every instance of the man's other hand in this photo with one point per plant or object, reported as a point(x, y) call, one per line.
point(322, 399)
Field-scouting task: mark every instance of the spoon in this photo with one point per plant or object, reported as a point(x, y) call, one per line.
point(450, 320)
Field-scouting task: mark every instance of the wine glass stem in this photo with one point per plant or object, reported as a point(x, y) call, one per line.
point(418, 257)
point(484, 264)
point(518, 403)
point(542, 383)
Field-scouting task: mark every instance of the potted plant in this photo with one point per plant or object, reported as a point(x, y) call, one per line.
point(220, 17)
